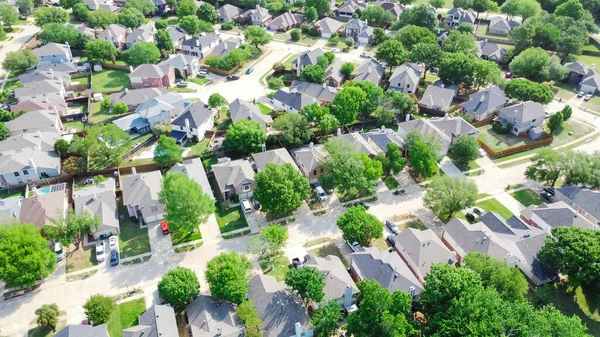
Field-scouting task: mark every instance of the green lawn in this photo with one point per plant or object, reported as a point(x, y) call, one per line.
point(198, 80)
point(110, 80)
point(125, 316)
point(593, 104)
point(264, 109)
point(527, 197)
point(209, 162)
point(178, 89)
point(81, 80)
point(304, 40)
point(230, 219)
point(172, 21)
point(463, 166)
point(197, 149)
point(482, 30)
point(390, 182)
point(97, 115)
point(588, 59)
point(288, 62)
point(498, 142)
point(133, 240)
point(13, 193)
point(493, 205)
point(278, 268)
point(416, 224)
point(563, 90)
point(78, 259)
point(578, 129)
point(330, 249)
point(183, 235)
point(77, 125)
point(447, 3)
point(43, 332)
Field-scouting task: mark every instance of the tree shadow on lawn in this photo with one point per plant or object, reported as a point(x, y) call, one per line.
point(583, 302)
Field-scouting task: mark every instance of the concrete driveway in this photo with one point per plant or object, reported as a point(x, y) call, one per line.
point(159, 242)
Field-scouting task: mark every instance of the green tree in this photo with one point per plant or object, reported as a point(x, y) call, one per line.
point(256, 36)
point(47, 316)
point(445, 283)
point(24, 255)
point(325, 319)
point(8, 15)
point(464, 4)
point(186, 8)
point(437, 4)
point(190, 24)
point(81, 12)
point(46, 15)
point(465, 149)
point(245, 136)
point(447, 195)
point(322, 6)
point(101, 18)
point(68, 4)
point(161, 24)
point(131, 18)
point(509, 282)
point(310, 14)
point(207, 12)
point(391, 52)
point(58, 33)
point(178, 286)
point(228, 275)
point(306, 282)
point(328, 122)
point(164, 41)
point(313, 74)
point(295, 34)
point(427, 53)
point(24, 4)
point(99, 50)
point(458, 68)
point(347, 69)
point(167, 152)
point(525, 90)
point(61, 146)
point(420, 15)
point(120, 108)
point(294, 128)
point(347, 103)
point(567, 111)
point(373, 97)
point(458, 42)
point(531, 63)
point(146, 7)
point(98, 308)
point(247, 313)
point(555, 122)
point(359, 226)
point(571, 8)
point(216, 101)
point(378, 16)
point(379, 36)
point(421, 155)
point(4, 132)
point(411, 35)
point(275, 83)
point(280, 189)
point(314, 112)
point(548, 166)
point(268, 242)
point(20, 60)
point(575, 252)
point(73, 228)
point(465, 28)
point(396, 161)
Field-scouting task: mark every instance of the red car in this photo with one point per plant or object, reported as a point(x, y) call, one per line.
point(164, 227)
point(508, 74)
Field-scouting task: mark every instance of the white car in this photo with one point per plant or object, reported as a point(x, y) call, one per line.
point(481, 152)
point(113, 243)
point(335, 50)
point(587, 97)
point(321, 194)
point(101, 251)
point(366, 54)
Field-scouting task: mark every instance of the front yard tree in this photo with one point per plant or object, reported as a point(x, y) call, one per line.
point(280, 189)
point(228, 275)
point(571, 8)
point(68, 4)
point(465, 149)
point(458, 42)
point(46, 15)
point(411, 35)
point(186, 8)
point(247, 313)
point(20, 60)
point(47, 316)
point(268, 242)
point(58, 33)
point(306, 282)
point(421, 155)
point(190, 24)
point(347, 69)
point(146, 7)
point(216, 101)
point(447, 195)
point(8, 15)
point(178, 286)
point(4, 131)
point(567, 111)
point(141, 52)
point(458, 68)
point(73, 228)
point(555, 122)
point(325, 319)
point(509, 282)
point(396, 161)
point(161, 24)
point(322, 6)
point(373, 96)
point(24, 255)
point(437, 4)
point(359, 226)
point(98, 309)
point(186, 204)
point(531, 63)
point(164, 41)
point(548, 166)
point(347, 103)
point(101, 18)
point(81, 12)
point(245, 136)
point(391, 52)
point(294, 128)
point(378, 16)
point(167, 152)
point(275, 83)
point(99, 50)
point(131, 18)
point(256, 36)
point(295, 34)
point(310, 14)
point(207, 12)
point(526, 90)
point(313, 74)
point(575, 252)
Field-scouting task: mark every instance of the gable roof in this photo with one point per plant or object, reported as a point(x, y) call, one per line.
point(523, 112)
point(585, 198)
point(41, 104)
point(390, 6)
point(45, 209)
point(52, 49)
point(113, 30)
point(170, 102)
point(227, 46)
point(26, 159)
point(42, 141)
point(577, 67)
point(500, 23)
point(308, 57)
point(333, 71)
point(142, 190)
point(151, 71)
point(296, 100)
point(202, 41)
point(351, 6)
point(278, 156)
point(478, 238)
point(227, 12)
point(65, 67)
point(485, 101)
point(381, 137)
point(321, 92)
point(592, 79)
point(231, 173)
point(195, 114)
point(260, 12)
point(360, 144)
point(336, 276)
point(370, 70)
point(39, 75)
point(328, 25)
point(437, 96)
point(99, 200)
point(10, 208)
point(176, 33)
point(157, 321)
point(559, 214)
point(144, 33)
point(308, 157)
point(408, 70)
point(446, 128)
point(422, 249)
point(240, 109)
point(286, 20)
point(209, 317)
point(136, 96)
point(39, 87)
point(490, 50)
point(33, 120)
point(194, 169)
point(78, 330)
point(467, 16)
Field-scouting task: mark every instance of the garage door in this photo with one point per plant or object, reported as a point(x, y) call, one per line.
point(150, 219)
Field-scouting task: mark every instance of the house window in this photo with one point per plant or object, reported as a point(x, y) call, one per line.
point(315, 172)
point(154, 208)
point(17, 174)
point(408, 86)
point(246, 187)
point(25, 172)
point(516, 130)
point(533, 121)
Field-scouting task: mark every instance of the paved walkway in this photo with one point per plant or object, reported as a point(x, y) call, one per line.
point(509, 202)
point(449, 168)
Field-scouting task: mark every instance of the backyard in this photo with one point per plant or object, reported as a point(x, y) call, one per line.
point(125, 316)
point(588, 59)
point(265, 110)
point(482, 30)
point(493, 205)
point(230, 219)
point(527, 197)
point(278, 268)
point(110, 80)
point(578, 130)
point(133, 240)
point(498, 142)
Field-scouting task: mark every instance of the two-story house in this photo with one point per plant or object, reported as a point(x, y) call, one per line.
point(114, 34)
point(185, 65)
point(525, 118)
point(485, 103)
point(234, 177)
point(140, 196)
point(159, 110)
point(405, 78)
point(99, 200)
point(152, 76)
point(243, 110)
point(54, 53)
point(201, 46)
point(292, 101)
point(306, 58)
point(177, 35)
point(583, 200)
point(359, 30)
point(46, 207)
point(194, 121)
point(45, 89)
point(142, 34)
point(258, 16)
point(456, 16)
point(308, 158)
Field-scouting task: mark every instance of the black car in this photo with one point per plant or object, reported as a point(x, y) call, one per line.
point(470, 217)
point(391, 239)
point(233, 77)
point(363, 204)
point(255, 203)
point(547, 196)
point(549, 190)
point(114, 258)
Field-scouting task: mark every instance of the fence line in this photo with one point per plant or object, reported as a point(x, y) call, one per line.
point(546, 139)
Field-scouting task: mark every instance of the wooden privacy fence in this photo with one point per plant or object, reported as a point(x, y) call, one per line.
point(546, 139)
point(114, 66)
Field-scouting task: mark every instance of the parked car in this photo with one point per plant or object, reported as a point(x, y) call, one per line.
point(587, 97)
point(202, 73)
point(182, 84)
point(356, 45)
point(58, 249)
point(470, 216)
point(249, 71)
point(547, 196)
point(580, 94)
point(366, 54)
point(114, 258)
point(335, 50)
point(320, 194)
point(233, 77)
point(246, 207)
point(363, 204)
point(355, 247)
point(507, 74)
point(392, 226)
point(391, 239)
point(164, 227)
point(477, 211)
point(255, 203)
point(481, 152)
point(113, 243)
point(550, 190)
point(101, 251)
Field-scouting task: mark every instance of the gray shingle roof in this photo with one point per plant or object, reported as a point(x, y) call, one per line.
point(351, 6)
point(201, 41)
point(176, 33)
point(30, 140)
point(39, 87)
point(296, 100)
point(465, 15)
point(157, 321)
point(151, 71)
point(143, 33)
point(196, 114)
point(447, 127)
point(360, 143)
point(490, 50)
point(278, 156)
point(408, 69)
point(46, 209)
point(51, 49)
point(65, 67)
point(529, 248)
point(142, 190)
point(232, 173)
point(228, 12)
point(559, 214)
point(171, 102)
point(485, 101)
point(135, 97)
point(437, 96)
point(40, 75)
point(308, 157)
point(227, 46)
point(496, 223)
point(328, 25)
point(208, 318)
point(381, 137)
point(577, 67)
point(240, 109)
point(321, 92)
point(309, 57)
point(77, 330)
point(588, 200)
point(99, 200)
point(592, 78)
point(194, 169)
point(523, 112)
point(286, 21)
point(333, 71)
point(422, 249)
point(113, 30)
point(500, 23)
point(336, 276)
point(370, 70)
point(32, 121)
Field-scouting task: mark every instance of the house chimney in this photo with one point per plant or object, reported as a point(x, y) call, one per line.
point(197, 42)
point(126, 90)
point(94, 196)
point(133, 171)
point(593, 66)
point(39, 134)
point(348, 298)
point(130, 69)
point(311, 145)
point(442, 85)
point(382, 127)
point(407, 118)
point(263, 148)
point(482, 98)
point(219, 332)
point(297, 326)
point(338, 132)
point(411, 291)
point(32, 164)
point(145, 98)
point(187, 124)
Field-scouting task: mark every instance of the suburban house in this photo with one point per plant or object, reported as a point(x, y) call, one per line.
point(178, 36)
point(577, 71)
point(370, 70)
point(359, 30)
point(334, 76)
point(339, 285)
point(47, 207)
point(484, 104)
point(42, 141)
point(419, 249)
point(321, 92)
point(185, 65)
point(152, 76)
point(10, 209)
point(308, 158)
point(441, 35)
point(143, 34)
point(291, 101)
point(350, 7)
point(361, 144)
point(209, 317)
point(27, 165)
point(193, 122)
point(134, 97)
point(240, 109)
point(327, 27)
point(114, 34)
point(583, 200)
point(586, 79)
point(36, 75)
point(57, 105)
point(437, 99)
point(194, 169)
point(405, 78)
point(286, 21)
point(49, 89)
point(387, 268)
point(443, 130)
point(456, 16)
point(54, 53)
point(501, 26)
point(201, 46)
point(107, 5)
point(159, 110)
point(278, 156)
point(306, 58)
point(556, 214)
point(490, 51)
point(81, 330)
point(229, 12)
point(99, 200)
point(526, 119)
point(83, 28)
point(158, 320)
point(379, 138)
point(258, 16)
point(35, 121)
point(225, 47)
point(281, 311)
point(160, 7)
point(63, 67)
point(140, 196)
point(389, 6)
point(234, 177)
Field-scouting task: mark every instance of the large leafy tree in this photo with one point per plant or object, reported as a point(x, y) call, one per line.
point(46, 15)
point(421, 155)
point(458, 42)
point(141, 52)
point(268, 242)
point(411, 35)
point(294, 128)
point(207, 12)
point(190, 24)
point(167, 152)
point(378, 16)
point(420, 15)
point(322, 6)
point(20, 60)
point(311, 14)
point(131, 18)
point(216, 101)
point(397, 105)
point(509, 282)
point(314, 74)
point(391, 52)
point(571, 8)
point(373, 97)
point(359, 226)
point(81, 12)
point(47, 316)
point(256, 36)
point(347, 103)
point(245, 136)
point(101, 18)
point(186, 8)
point(4, 132)
point(525, 90)
point(58, 33)
point(68, 4)
point(380, 313)
point(98, 308)
point(575, 252)
point(99, 50)
point(447, 195)
point(465, 149)
point(146, 7)
point(164, 41)
point(187, 205)
point(458, 68)
point(247, 313)
point(73, 228)
point(281, 189)
point(555, 122)
point(228, 275)
point(24, 255)
point(548, 166)
point(325, 319)
point(306, 282)
point(177, 286)
point(8, 15)
point(531, 63)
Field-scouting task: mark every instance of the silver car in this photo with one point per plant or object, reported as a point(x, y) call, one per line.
point(392, 226)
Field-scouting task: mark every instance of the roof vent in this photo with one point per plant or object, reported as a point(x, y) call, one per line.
point(527, 234)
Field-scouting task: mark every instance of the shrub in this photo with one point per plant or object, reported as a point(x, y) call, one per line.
point(227, 25)
point(278, 67)
point(295, 34)
point(501, 129)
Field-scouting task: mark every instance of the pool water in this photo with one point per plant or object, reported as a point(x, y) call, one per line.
point(44, 190)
